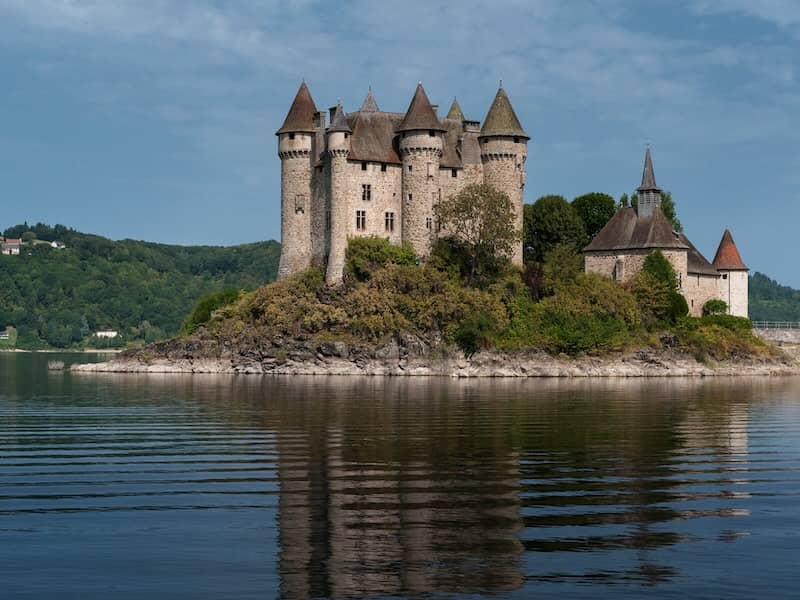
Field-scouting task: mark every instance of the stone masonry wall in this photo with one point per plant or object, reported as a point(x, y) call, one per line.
point(421, 154)
point(604, 263)
point(296, 206)
point(734, 291)
point(698, 290)
point(340, 212)
point(385, 194)
point(504, 168)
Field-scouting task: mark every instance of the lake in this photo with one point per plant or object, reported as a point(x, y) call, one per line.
point(168, 487)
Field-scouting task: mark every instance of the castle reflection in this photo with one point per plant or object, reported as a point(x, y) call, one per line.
point(409, 486)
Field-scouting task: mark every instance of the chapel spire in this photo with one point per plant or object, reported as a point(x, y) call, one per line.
point(648, 194)
point(300, 118)
point(420, 113)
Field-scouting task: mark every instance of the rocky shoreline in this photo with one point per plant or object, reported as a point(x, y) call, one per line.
point(644, 363)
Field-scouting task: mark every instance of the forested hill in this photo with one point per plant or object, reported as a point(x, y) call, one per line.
point(61, 297)
point(771, 301)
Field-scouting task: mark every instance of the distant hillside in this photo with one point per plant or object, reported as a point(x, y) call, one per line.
point(60, 297)
point(771, 301)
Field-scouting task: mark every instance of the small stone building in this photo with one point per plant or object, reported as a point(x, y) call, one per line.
point(620, 248)
point(381, 173)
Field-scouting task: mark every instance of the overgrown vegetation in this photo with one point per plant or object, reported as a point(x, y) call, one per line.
point(771, 301)
point(61, 297)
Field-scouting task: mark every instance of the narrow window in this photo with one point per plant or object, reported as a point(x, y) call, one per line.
point(328, 220)
point(410, 197)
point(383, 167)
point(430, 169)
point(453, 172)
point(346, 135)
point(389, 221)
point(410, 168)
point(363, 166)
point(431, 133)
point(291, 136)
point(366, 191)
point(299, 204)
point(361, 220)
point(429, 223)
point(724, 275)
point(692, 302)
point(619, 270)
point(516, 140)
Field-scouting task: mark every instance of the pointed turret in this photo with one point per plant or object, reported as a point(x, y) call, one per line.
point(301, 114)
point(339, 121)
point(420, 114)
point(455, 113)
point(727, 257)
point(369, 104)
point(501, 120)
point(648, 175)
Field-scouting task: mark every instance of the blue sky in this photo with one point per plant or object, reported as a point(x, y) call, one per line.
point(154, 119)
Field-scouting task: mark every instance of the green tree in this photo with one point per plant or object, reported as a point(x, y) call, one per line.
point(624, 202)
point(549, 222)
point(28, 237)
point(657, 289)
point(366, 254)
point(482, 218)
point(595, 210)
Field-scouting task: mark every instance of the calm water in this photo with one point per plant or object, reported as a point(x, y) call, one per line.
point(235, 487)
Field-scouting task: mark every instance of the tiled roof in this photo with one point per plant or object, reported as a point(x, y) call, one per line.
point(373, 136)
point(420, 113)
point(696, 262)
point(627, 231)
point(501, 118)
point(455, 111)
point(727, 257)
point(301, 114)
point(369, 105)
point(339, 122)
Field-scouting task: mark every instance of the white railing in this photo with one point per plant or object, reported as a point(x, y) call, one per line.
point(776, 324)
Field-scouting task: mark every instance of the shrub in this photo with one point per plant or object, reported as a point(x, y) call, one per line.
point(368, 254)
point(201, 313)
point(657, 265)
point(715, 307)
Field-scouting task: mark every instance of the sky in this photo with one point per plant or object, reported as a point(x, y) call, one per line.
point(155, 119)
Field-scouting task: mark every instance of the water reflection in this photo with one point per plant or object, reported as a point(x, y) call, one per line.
point(403, 487)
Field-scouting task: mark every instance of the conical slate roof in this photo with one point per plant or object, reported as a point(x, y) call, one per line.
point(501, 118)
point(369, 104)
point(339, 122)
point(301, 115)
point(727, 257)
point(420, 113)
point(626, 230)
point(455, 113)
point(648, 175)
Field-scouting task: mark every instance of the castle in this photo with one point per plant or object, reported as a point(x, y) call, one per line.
point(620, 248)
point(380, 173)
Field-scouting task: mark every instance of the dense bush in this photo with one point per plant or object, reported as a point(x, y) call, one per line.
point(201, 314)
point(370, 253)
point(715, 307)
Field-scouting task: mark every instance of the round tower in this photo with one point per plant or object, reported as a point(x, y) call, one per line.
point(504, 150)
point(733, 276)
point(338, 148)
point(420, 143)
point(294, 149)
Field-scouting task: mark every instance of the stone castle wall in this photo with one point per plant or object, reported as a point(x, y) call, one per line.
point(385, 189)
point(733, 289)
point(631, 262)
point(421, 153)
point(295, 153)
point(698, 290)
point(504, 168)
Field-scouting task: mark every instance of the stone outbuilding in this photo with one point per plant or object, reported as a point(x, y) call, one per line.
point(620, 248)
